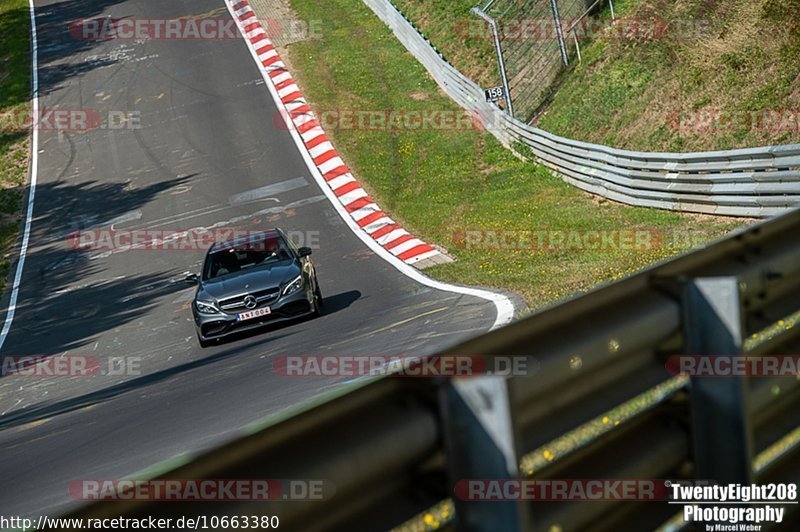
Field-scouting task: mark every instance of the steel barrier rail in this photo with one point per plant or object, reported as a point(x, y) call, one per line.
point(353, 442)
point(755, 182)
point(393, 447)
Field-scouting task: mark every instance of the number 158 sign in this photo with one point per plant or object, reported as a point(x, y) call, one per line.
point(494, 94)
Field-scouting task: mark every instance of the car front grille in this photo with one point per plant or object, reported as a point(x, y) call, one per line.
point(263, 298)
point(291, 310)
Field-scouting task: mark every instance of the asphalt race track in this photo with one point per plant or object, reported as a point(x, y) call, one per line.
point(206, 140)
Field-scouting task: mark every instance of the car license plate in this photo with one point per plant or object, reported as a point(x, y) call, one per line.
point(257, 313)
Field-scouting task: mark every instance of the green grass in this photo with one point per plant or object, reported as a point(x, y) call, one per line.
point(629, 93)
point(441, 183)
point(14, 144)
point(458, 34)
point(736, 56)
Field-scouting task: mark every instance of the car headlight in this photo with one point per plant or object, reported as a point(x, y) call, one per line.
point(295, 285)
point(205, 307)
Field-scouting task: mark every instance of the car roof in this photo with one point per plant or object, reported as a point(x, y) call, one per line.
point(252, 236)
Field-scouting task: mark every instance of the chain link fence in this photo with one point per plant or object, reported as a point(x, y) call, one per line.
point(752, 182)
point(535, 47)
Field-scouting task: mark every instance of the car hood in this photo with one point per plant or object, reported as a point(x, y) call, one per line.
point(249, 281)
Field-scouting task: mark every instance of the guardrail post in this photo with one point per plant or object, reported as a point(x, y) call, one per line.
point(480, 445)
point(723, 443)
point(501, 64)
point(559, 33)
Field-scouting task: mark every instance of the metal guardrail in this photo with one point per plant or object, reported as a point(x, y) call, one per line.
point(395, 446)
point(753, 182)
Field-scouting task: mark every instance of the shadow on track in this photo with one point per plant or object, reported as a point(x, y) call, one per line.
point(21, 417)
point(64, 291)
point(60, 43)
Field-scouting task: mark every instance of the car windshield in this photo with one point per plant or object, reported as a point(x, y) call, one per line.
point(250, 254)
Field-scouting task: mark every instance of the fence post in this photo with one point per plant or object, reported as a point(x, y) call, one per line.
point(559, 33)
point(480, 444)
point(501, 64)
point(723, 442)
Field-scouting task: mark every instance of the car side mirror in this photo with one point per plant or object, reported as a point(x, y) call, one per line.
point(304, 251)
point(192, 278)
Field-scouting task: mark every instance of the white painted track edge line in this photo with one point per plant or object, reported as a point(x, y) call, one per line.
point(34, 169)
point(503, 304)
